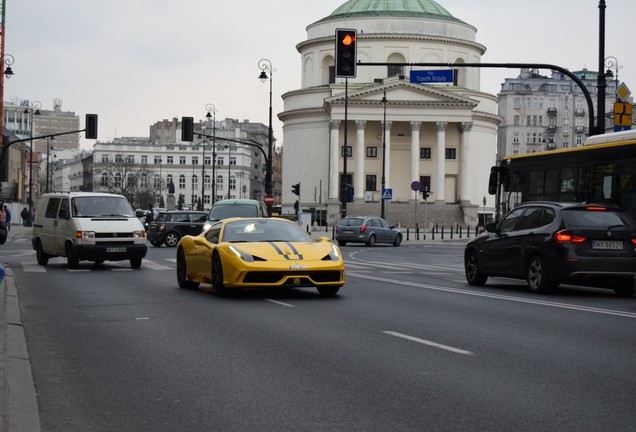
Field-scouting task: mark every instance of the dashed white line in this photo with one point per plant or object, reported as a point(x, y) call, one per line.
point(280, 303)
point(429, 343)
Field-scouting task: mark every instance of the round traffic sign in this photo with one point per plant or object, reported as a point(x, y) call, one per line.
point(415, 186)
point(269, 199)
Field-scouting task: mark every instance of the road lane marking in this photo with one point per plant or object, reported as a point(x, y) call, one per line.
point(500, 297)
point(429, 343)
point(33, 268)
point(280, 303)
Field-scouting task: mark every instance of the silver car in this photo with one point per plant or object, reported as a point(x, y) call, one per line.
point(367, 229)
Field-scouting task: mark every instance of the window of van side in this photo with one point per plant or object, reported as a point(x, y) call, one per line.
point(51, 208)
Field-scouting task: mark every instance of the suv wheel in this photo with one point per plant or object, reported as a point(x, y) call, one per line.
point(537, 276)
point(471, 268)
point(172, 238)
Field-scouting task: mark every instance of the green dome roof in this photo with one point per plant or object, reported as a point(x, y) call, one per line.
point(391, 8)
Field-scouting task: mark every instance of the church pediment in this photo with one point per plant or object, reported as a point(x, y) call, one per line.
point(403, 93)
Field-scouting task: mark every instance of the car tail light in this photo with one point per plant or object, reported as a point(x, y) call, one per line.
point(566, 236)
point(634, 240)
point(363, 228)
point(162, 227)
point(595, 208)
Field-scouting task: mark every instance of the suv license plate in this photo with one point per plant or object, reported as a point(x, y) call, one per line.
point(116, 249)
point(607, 244)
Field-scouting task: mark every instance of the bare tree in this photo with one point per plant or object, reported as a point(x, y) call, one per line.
point(135, 182)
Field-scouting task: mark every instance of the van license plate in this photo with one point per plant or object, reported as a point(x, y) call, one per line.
point(607, 244)
point(116, 250)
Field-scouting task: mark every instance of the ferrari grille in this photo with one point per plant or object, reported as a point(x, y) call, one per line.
point(265, 277)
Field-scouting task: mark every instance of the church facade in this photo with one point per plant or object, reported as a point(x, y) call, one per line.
point(396, 124)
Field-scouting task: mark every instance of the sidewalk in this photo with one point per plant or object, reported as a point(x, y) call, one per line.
point(18, 401)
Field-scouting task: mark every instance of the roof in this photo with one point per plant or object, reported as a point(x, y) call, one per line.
point(391, 8)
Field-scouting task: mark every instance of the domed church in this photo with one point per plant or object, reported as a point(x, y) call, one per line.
point(393, 126)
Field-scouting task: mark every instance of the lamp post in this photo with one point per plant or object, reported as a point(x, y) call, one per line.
point(384, 158)
point(229, 153)
point(5, 72)
point(600, 122)
point(32, 108)
point(48, 152)
point(266, 65)
point(211, 116)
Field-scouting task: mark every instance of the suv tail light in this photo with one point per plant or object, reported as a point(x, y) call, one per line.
point(363, 228)
point(162, 227)
point(566, 236)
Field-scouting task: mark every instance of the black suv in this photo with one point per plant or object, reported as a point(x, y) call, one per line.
point(548, 243)
point(170, 226)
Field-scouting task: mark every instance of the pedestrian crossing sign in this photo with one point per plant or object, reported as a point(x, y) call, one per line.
point(387, 194)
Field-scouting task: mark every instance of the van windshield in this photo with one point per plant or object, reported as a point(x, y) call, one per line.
point(102, 206)
point(220, 212)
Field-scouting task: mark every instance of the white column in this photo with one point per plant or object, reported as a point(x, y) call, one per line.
point(334, 166)
point(464, 162)
point(359, 178)
point(415, 151)
point(441, 162)
point(387, 154)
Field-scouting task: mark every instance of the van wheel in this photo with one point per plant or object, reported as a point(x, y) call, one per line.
point(135, 263)
point(43, 259)
point(71, 258)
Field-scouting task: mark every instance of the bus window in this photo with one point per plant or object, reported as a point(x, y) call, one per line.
point(603, 181)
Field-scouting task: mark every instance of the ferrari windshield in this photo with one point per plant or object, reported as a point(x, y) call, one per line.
point(264, 230)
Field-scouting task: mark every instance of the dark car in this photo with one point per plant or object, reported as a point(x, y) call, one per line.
point(169, 227)
point(367, 229)
point(548, 243)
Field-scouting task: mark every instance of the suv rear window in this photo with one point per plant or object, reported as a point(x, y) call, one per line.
point(596, 218)
point(221, 212)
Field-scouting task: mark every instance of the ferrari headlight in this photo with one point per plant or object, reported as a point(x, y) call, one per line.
point(239, 253)
point(335, 253)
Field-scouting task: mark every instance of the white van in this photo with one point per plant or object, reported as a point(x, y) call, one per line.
point(87, 226)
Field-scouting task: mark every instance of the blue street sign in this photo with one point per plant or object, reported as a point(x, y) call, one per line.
point(432, 76)
point(621, 128)
point(415, 186)
point(387, 194)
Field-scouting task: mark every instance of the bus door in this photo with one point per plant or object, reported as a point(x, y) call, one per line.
point(603, 186)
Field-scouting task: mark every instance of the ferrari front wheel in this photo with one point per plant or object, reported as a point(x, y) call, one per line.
point(328, 291)
point(182, 272)
point(217, 277)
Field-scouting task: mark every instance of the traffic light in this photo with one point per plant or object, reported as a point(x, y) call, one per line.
point(187, 129)
point(296, 189)
point(346, 53)
point(493, 180)
point(425, 192)
point(91, 126)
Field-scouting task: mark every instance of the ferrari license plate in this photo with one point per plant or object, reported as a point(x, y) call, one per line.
point(607, 244)
point(115, 249)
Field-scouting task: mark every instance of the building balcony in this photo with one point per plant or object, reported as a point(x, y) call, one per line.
point(552, 112)
point(579, 112)
point(552, 128)
point(579, 129)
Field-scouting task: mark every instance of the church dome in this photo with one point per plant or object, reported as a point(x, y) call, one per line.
point(391, 8)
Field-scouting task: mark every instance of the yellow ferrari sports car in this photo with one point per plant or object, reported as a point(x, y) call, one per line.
point(253, 253)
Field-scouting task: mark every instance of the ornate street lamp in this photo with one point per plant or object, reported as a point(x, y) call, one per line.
point(612, 66)
point(211, 116)
point(265, 65)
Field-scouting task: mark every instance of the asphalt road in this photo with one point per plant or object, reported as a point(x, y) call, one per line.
point(407, 345)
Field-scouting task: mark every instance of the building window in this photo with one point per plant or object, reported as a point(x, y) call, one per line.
point(195, 160)
point(144, 159)
point(182, 182)
point(371, 183)
point(119, 158)
point(233, 161)
point(130, 159)
point(395, 70)
point(208, 160)
point(182, 160)
point(207, 182)
point(157, 159)
point(232, 182)
point(195, 182)
point(515, 138)
point(372, 152)
point(349, 151)
point(517, 120)
point(143, 181)
point(219, 182)
point(170, 160)
point(104, 181)
point(425, 152)
point(117, 180)
point(104, 158)
point(451, 153)
point(157, 181)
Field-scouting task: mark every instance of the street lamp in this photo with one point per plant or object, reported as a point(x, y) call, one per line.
point(8, 60)
point(211, 116)
point(32, 108)
point(384, 158)
point(611, 63)
point(266, 65)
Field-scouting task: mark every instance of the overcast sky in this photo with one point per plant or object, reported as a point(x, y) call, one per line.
point(136, 62)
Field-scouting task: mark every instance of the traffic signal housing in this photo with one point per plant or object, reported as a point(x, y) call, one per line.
point(346, 53)
point(187, 129)
point(296, 189)
point(91, 126)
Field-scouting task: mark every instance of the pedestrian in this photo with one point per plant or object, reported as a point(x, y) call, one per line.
point(7, 210)
point(25, 216)
point(2, 273)
point(149, 217)
point(3, 218)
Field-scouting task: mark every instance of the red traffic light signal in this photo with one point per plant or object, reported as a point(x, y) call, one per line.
point(346, 53)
